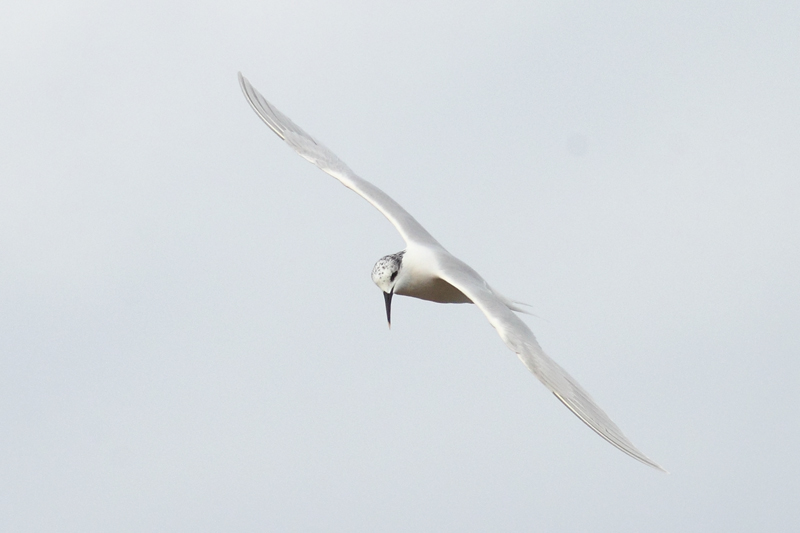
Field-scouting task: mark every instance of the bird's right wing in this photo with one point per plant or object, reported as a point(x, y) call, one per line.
point(517, 336)
point(305, 145)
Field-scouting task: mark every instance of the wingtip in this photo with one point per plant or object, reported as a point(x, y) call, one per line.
point(619, 440)
point(243, 85)
point(659, 467)
point(649, 462)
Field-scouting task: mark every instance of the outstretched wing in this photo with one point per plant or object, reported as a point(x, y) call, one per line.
point(521, 340)
point(312, 150)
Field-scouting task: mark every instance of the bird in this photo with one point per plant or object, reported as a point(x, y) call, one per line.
point(427, 271)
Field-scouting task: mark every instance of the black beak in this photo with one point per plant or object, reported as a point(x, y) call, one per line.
point(387, 296)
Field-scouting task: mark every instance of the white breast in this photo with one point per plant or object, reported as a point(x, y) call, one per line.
point(418, 279)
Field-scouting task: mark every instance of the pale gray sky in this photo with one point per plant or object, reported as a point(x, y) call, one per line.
point(189, 336)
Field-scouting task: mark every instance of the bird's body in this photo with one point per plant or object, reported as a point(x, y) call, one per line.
point(427, 271)
point(419, 277)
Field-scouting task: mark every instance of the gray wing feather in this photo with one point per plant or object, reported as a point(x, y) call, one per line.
point(315, 152)
point(517, 336)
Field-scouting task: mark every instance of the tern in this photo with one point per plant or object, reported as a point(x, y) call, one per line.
point(427, 271)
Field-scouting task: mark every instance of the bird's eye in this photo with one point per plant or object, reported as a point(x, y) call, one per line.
point(394, 275)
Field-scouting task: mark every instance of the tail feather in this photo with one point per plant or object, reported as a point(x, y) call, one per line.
point(515, 305)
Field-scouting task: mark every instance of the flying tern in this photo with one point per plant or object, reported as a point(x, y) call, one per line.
point(427, 271)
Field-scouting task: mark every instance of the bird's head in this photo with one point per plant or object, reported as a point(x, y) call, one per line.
point(384, 274)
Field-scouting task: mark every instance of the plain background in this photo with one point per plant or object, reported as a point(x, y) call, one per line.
point(189, 336)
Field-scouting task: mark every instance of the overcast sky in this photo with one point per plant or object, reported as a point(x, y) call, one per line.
point(189, 336)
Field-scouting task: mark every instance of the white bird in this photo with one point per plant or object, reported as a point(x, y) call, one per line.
point(427, 271)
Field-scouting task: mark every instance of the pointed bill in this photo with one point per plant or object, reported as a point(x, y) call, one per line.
point(387, 297)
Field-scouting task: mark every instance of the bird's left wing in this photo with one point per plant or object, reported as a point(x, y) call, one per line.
point(312, 150)
point(517, 336)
